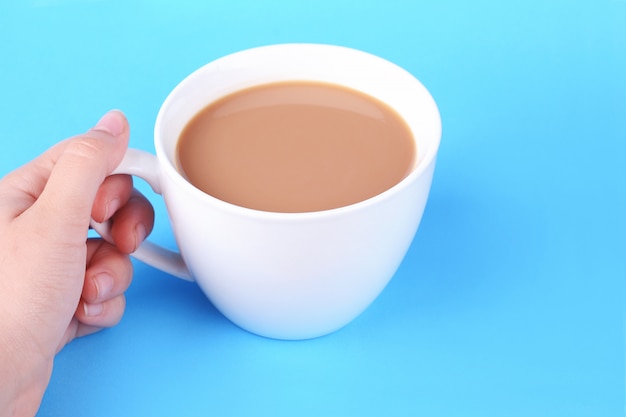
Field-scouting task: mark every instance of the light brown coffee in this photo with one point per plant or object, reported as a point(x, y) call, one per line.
point(296, 147)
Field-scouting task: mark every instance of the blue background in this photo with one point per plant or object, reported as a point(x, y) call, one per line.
point(510, 301)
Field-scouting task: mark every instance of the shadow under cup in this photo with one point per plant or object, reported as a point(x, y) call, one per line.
point(294, 275)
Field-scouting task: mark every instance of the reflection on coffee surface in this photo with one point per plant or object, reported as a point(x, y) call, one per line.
point(296, 146)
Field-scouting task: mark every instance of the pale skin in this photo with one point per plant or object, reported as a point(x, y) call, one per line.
point(55, 283)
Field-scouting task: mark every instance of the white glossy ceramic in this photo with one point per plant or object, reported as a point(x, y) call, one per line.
point(294, 275)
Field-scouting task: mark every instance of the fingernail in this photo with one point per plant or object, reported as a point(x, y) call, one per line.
point(112, 123)
point(92, 310)
point(104, 286)
point(111, 207)
point(140, 234)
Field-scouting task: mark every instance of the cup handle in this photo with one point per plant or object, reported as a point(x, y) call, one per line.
point(145, 165)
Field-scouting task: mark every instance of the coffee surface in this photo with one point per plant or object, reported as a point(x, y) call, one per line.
point(296, 147)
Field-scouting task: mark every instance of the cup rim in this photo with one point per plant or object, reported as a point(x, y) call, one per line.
point(169, 166)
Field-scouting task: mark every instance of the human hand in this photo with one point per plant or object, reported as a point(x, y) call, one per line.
point(55, 284)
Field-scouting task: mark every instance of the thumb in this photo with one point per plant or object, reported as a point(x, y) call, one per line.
point(81, 165)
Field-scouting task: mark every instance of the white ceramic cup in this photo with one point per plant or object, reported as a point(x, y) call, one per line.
point(288, 275)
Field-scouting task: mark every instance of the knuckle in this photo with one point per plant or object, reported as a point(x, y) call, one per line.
point(127, 275)
point(84, 147)
point(115, 310)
